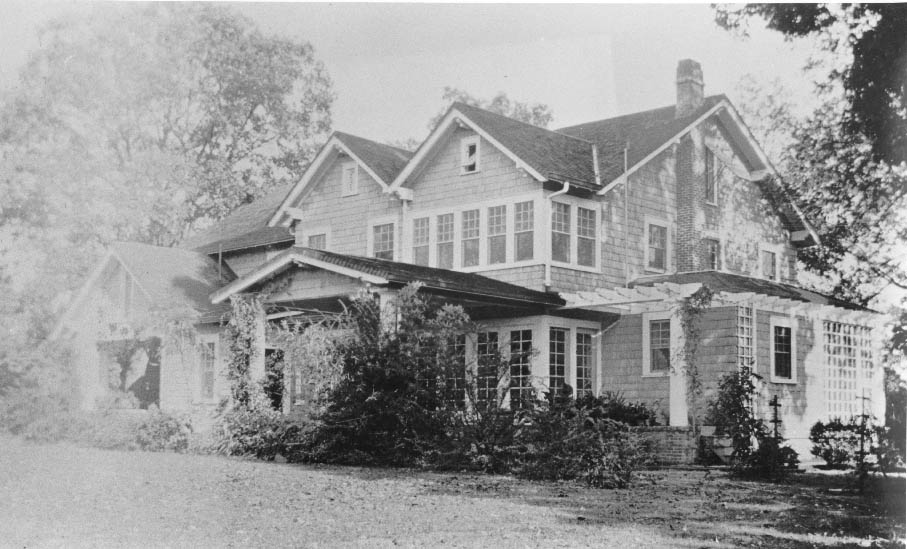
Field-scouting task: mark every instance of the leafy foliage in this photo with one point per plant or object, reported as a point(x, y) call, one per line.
point(163, 432)
point(254, 430)
point(536, 114)
point(838, 441)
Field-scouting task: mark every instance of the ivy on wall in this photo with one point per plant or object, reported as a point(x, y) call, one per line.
point(690, 314)
point(242, 341)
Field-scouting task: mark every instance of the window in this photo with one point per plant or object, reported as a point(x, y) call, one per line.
point(660, 345)
point(585, 359)
point(318, 241)
point(711, 182)
point(524, 223)
point(520, 369)
point(349, 179)
point(657, 251)
point(384, 241)
point(455, 384)
point(557, 359)
point(420, 240)
point(560, 232)
point(497, 234)
point(769, 265)
point(470, 238)
point(207, 363)
point(585, 237)
point(782, 351)
point(848, 365)
point(445, 241)
point(469, 154)
point(487, 368)
point(711, 250)
point(746, 355)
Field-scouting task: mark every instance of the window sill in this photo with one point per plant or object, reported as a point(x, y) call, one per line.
point(498, 266)
point(575, 267)
point(348, 195)
point(715, 204)
point(464, 172)
point(654, 270)
point(655, 374)
point(782, 381)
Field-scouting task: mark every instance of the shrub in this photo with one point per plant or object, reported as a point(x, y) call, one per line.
point(256, 431)
point(837, 442)
point(613, 405)
point(888, 449)
point(163, 432)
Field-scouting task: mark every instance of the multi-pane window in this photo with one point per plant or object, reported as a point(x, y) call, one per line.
point(318, 241)
point(746, 355)
point(497, 234)
point(520, 368)
point(470, 238)
point(769, 265)
point(420, 240)
point(585, 237)
point(782, 352)
point(384, 241)
point(560, 232)
point(557, 359)
point(455, 382)
point(711, 250)
point(848, 367)
point(349, 180)
point(658, 247)
point(445, 241)
point(487, 367)
point(469, 154)
point(711, 182)
point(524, 223)
point(208, 354)
point(659, 345)
point(585, 359)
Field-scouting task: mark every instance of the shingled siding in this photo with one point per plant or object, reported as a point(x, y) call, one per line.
point(348, 218)
point(531, 277)
point(621, 366)
point(716, 354)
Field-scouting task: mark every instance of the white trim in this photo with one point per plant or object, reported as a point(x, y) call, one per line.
point(370, 234)
point(660, 222)
point(776, 249)
point(290, 256)
point(452, 118)
point(785, 322)
point(354, 186)
point(647, 318)
point(304, 233)
point(714, 235)
point(465, 142)
point(575, 203)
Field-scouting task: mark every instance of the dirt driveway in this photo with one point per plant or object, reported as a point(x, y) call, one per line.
point(65, 496)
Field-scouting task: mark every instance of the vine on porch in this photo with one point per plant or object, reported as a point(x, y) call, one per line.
point(690, 314)
point(242, 341)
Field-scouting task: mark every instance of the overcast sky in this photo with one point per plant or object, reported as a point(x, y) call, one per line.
point(390, 62)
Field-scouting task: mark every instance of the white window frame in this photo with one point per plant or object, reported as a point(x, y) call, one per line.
point(709, 235)
point(574, 204)
point(370, 236)
point(465, 142)
point(667, 227)
point(784, 322)
point(647, 318)
point(353, 189)
point(775, 249)
point(204, 340)
point(306, 232)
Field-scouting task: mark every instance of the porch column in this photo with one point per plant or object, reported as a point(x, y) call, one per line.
point(677, 378)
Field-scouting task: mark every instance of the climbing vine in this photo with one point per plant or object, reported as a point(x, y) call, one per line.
point(690, 314)
point(242, 343)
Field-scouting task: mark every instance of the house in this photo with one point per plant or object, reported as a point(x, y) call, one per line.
point(582, 243)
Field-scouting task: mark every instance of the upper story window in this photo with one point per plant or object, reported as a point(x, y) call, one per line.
point(497, 234)
point(783, 351)
point(660, 345)
point(421, 240)
point(769, 262)
point(560, 232)
point(585, 237)
point(445, 241)
point(470, 238)
point(524, 224)
point(469, 154)
point(349, 184)
point(657, 249)
point(318, 241)
point(711, 182)
point(383, 241)
point(711, 249)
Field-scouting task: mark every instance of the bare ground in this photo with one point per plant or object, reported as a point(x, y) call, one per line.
point(66, 496)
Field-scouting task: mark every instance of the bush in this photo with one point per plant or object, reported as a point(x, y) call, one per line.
point(258, 432)
point(838, 441)
point(888, 449)
point(163, 432)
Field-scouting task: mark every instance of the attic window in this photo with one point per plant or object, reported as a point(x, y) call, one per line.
point(469, 154)
point(349, 180)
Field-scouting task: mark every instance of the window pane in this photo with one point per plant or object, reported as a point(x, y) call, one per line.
point(524, 223)
point(769, 266)
point(487, 370)
point(470, 236)
point(384, 241)
point(523, 246)
point(445, 255)
point(420, 240)
point(420, 255)
point(455, 381)
point(445, 241)
point(557, 359)
point(585, 251)
point(658, 241)
point(782, 337)
point(660, 345)
point(560, 247)
point(318, 241)
point(712, 255)
point(520, 368)
point(497, 234)
point(560, 232)
point(585, 359)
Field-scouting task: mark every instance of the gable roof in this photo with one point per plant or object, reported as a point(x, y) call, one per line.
point(733, 283)
point(384, 272)
point(382, 162)
point(244, 227)
point(641, 133)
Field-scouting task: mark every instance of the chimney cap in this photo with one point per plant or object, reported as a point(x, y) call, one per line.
point(689, 69)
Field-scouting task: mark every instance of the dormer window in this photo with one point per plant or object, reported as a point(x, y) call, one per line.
point(469, 154)
point(769, 265)
point(349, 185)
point(711, 182)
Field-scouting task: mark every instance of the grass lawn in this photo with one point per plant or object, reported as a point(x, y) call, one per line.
point(66, 496)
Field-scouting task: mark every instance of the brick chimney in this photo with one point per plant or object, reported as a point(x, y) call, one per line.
point(689, 87)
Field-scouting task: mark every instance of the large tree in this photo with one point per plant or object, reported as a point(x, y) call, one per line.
point(137, 122)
